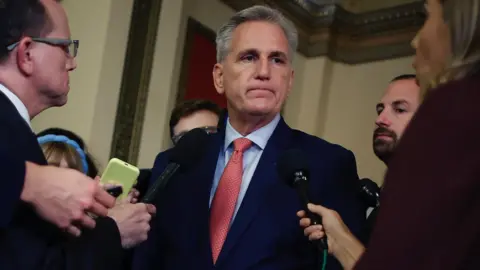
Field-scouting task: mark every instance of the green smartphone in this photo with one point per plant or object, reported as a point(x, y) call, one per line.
point(119, 172)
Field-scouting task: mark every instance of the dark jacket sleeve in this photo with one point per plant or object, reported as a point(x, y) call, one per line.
point(100, 248)
point(13, 177)
point(341, 195)
point(430, 207)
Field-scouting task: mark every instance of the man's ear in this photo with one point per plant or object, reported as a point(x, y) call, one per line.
point(218, 78)
point(24, 56)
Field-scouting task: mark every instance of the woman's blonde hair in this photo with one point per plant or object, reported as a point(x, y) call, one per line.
point(462, 18)
point(55, 152)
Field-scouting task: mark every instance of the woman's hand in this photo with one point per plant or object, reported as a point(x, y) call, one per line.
point(341, 242)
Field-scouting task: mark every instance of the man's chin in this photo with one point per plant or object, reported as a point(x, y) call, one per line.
point(60, 101)
point(261, 109)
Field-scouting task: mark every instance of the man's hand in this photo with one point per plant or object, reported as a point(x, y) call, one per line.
point(132, 221)
point(63, 196)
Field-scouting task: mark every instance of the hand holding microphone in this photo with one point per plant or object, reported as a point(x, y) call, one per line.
point(294, 170)
point(332, 225)
point(342, 244)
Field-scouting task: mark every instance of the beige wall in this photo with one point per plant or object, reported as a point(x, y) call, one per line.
point(329, 99)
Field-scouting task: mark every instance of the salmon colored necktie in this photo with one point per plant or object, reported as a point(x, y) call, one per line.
point(225, 199)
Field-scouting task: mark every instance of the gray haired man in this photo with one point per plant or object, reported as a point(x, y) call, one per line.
point(232, 211)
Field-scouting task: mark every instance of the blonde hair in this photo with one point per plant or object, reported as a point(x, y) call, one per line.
point(55, 152)
point(462, 18)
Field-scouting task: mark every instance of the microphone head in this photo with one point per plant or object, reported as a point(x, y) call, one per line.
point(190, 148)
point(291, 162)
point(369, 191)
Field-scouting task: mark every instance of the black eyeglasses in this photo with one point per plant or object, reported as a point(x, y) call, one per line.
point(70, 46)
point(207, 129)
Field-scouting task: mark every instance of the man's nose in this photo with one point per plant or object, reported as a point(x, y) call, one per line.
point(263, 69)
point(383, 120)
point(71, 64)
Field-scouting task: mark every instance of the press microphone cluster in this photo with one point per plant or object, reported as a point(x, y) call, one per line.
point(369, 192)
point(293, 168)
point(189, 149)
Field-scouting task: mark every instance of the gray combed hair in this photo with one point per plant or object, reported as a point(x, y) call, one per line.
point(255, 13)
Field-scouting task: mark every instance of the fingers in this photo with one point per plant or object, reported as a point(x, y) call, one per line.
point(316, 235)
point(103, 198)
point(75, 231)
point(314, 232)
point(132, 196)
point(301, 214)
point(87, 221)
point(317, 209)
point(305, 222)
point(98, 209)
point(151, 209)
point(311, 229)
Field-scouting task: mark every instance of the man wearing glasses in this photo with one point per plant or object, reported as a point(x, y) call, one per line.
point(43, 209)
point(187, 115)
point(192, 114)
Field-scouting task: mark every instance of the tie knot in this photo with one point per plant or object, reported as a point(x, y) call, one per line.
point(241, 144)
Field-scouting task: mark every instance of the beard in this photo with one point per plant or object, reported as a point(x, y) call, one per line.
point(382, 148)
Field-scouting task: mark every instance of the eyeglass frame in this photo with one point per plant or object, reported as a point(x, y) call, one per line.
point(53, 42)
point(207, 129)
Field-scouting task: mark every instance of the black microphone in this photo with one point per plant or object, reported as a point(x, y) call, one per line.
point(143, 181)
point(189, 149)
point(370, 192)
point(294, 170)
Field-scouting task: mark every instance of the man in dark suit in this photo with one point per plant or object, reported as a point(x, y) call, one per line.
point(231, 211)
point(36, 56)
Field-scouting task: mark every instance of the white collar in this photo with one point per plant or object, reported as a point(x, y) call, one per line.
point(259, 137)
point(22, 110)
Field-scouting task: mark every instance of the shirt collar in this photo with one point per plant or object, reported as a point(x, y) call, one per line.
point(259, 137)
point(22, 110)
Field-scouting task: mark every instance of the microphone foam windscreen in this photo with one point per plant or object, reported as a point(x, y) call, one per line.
point(291, 161)
point(190, 148)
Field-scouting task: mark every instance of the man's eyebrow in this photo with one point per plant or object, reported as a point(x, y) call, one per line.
point(400, 102)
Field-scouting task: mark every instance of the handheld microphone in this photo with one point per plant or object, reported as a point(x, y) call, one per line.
point(370, 192)
point(189, 149)
point(293, 169)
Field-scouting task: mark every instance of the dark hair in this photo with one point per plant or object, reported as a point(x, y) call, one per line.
point(189, 107)
point(404, 77)
point(20, 18)
point(92, 167)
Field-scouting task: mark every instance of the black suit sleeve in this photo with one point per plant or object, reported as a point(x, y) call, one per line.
point(12, 168)
point(100, 248)
point(342, 193)
point(339, 193)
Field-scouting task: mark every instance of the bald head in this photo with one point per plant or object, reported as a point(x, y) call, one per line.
point(56, 17)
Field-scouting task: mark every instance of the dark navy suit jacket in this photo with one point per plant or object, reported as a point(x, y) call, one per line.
point(265, 233)
point(27, 242)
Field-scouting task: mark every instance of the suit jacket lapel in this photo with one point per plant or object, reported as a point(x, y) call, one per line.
point(264, 176)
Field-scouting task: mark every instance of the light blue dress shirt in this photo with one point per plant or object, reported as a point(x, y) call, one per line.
point(251, 156)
